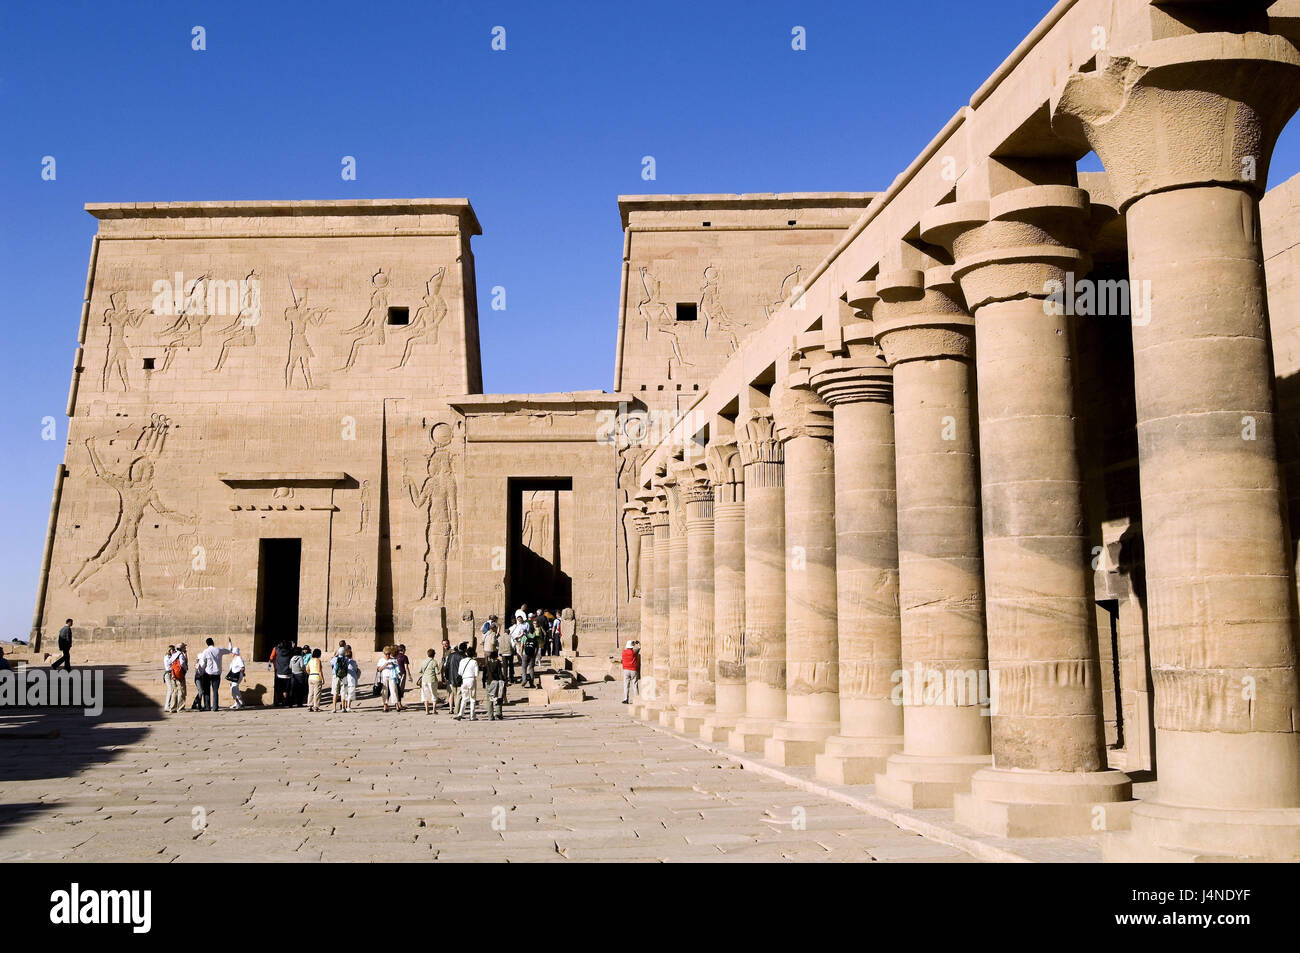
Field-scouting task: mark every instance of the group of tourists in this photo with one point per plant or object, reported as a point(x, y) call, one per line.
point(491, 660)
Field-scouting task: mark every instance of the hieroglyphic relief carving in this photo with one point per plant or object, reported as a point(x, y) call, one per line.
point(654, 312)
point(118, 318)
point(630, 459)
point(134, 485)
point(242, 332)
point(299, 318)
point(428, 317)
point(356, 581)
point(363, 509)
point(436, 499)
point(198, 563)
point(187, 330)
point(538, 533)
point(371, 329)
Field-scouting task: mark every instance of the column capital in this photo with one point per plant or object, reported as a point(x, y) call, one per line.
point(673, 501)
point(640, 516)
point(726, 471)
point(797, 409)
point(1014, 244)
point(860, 374)
point(760, 451)
point(657, 508)
point(922, 316)
point(1199, 109)
point(697, 491)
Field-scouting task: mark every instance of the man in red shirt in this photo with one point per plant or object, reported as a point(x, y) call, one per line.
point(631, 670)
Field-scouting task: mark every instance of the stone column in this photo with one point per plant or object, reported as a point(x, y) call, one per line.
point(812, 676)
point(727, 476)
point(697, 493)
point(678, 627)
point(644, 528)
point(858, 386)
point(760, 452)
point(1049, 771)
point(928, 340)
point(655, 688)
point(1185, 127)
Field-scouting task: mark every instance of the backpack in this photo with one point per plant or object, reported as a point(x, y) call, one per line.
point(340, 667)
point(295, 665)
point(455, 670)
point(177, 669)
point(530, 648)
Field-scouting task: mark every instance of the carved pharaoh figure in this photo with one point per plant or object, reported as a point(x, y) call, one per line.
point(119, 318)
point(299, 318)
point(655, 312)
point(712, 310)
point(187, 330)
point(134, 485)
point(371, 328)
point(436, 498)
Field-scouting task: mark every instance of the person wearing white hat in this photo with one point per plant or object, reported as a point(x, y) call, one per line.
point(236, 678)
point(631, 670)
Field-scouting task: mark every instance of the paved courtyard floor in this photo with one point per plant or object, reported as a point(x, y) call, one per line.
point(576, 783)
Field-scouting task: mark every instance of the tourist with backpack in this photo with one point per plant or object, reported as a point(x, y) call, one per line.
point(281, 656)
point(387, 674)
point(339, 682)
point(298, 677)
point(354, 676)
point(494, 684)
point(529, 647)
point(451, 673)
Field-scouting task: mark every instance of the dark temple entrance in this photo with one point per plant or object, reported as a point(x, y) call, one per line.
point(279, 567)
point(540, 530)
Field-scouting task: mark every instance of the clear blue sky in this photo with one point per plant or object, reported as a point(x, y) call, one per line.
point(541, 138)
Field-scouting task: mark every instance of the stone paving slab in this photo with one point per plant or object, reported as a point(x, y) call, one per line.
point(294, 787)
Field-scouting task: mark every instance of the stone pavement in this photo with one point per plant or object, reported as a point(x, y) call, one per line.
point(580, 782)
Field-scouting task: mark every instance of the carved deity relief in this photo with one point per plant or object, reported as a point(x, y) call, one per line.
point(436, 499)
point(656, 313)
point(242, 332)
point(197, 562)
point(789, 286)
point(134, 484)
point(712, 310)
point(118, 318)
point(187, 330)
point(630, 459)
point(428, 317)
point(299, 318)
point(538, 532)
point(356, 582)
point(371, 329)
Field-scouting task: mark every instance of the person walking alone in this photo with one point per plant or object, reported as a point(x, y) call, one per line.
point(631, 671)
point(65, 647)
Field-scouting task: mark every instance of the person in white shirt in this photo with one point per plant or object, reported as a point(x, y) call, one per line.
point(236, 679)
point(168, 681)
point(468, 686)
point(209, 663)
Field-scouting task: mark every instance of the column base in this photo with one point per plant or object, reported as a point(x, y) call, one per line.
point(691, 718)
point(650, 712)
point(916, 781)
point(796, 743)
point(1165, 833)
point(718, 726)
point(750, 734)
point(848, 760)
point(1013, 803)
point(667, 716)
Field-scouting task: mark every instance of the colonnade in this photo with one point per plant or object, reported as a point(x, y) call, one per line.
point(880, 564)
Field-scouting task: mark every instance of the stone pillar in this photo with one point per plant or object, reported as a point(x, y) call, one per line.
point(1185, 127)
point(1049, 771)
point(644, 529)
point(858, 386)
point(812, 677)
point(655, 687)
point(678, 626)
point(760, 452)
point(697, 493)
point(727, 476)
point(928, 340)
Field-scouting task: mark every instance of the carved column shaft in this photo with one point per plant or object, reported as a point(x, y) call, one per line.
point(700, 684)
point(859, 389)
point(727, 476)
point(657, 693)
point(678, 624)
point(803, 424)
point(764, 581)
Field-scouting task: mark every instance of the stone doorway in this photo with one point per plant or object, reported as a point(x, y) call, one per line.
point(540, 530)
point(279, 569)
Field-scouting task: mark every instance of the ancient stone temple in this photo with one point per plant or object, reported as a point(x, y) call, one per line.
point(983, 490)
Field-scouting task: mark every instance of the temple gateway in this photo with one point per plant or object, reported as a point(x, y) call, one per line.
point(980, 489)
